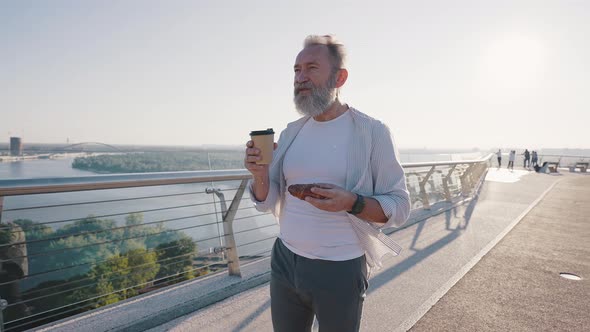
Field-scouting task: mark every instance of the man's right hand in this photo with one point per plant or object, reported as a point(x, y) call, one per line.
point(252, 156)
point(260, 185)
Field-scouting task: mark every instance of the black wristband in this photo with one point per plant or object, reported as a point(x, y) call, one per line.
point(358, 205)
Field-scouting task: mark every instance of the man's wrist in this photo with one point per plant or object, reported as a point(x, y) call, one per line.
point(358, 206)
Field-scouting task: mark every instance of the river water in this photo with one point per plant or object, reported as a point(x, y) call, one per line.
point(40, 168)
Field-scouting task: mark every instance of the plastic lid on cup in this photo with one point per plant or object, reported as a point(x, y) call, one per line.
point(268, 131)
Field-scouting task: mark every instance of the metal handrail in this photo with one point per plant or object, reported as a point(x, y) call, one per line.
point(16, 187)
point(447, 163)
point(115, 181)
point(564, 160)
point(470, 174)
point(562, 156)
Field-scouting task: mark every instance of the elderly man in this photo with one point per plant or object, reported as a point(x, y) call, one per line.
point(330, 236)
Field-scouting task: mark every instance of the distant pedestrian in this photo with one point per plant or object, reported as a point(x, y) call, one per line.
point(499, 155)
point(535, 159)
point(511, 157)
point(527, 158)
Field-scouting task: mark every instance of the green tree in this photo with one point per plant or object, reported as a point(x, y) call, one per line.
point(104, 286)
point(111, 265)
point(119, 277)
point(144, 270)
point(134, 219)
point(5, 235)
point(176, 257)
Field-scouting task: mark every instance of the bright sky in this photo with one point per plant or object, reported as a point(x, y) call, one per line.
point(441, 74)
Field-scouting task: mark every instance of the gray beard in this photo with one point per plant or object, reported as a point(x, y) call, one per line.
point(320, 99)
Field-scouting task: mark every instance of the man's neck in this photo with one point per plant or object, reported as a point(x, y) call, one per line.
point(334, 111)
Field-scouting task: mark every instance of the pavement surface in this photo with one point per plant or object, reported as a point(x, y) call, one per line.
point(438, 253)
point(517, 285)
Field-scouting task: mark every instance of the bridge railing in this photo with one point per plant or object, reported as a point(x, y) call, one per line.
point(69, 245)
point(563, 160)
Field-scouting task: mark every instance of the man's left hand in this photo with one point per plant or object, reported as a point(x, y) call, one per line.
point(336, 198)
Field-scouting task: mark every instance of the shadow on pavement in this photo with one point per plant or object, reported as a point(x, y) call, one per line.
point(263, 307)
point(421, 254)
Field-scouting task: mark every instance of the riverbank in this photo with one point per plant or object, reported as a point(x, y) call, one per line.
point(9, 159)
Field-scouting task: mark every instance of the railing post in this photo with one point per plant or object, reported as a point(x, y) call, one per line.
point(223, 205)
point(3, 305)
point(229, 249)
point(1, 207)
point(474, 177)
point(481, 172)
point(446, 180)
point(466, 182)
point(423, 194)
point(233, 260)
point(483, 169)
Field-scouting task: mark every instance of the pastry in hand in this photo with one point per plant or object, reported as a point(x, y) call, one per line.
point(303, 190)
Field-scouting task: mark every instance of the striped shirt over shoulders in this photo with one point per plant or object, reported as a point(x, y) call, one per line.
point(373, 170)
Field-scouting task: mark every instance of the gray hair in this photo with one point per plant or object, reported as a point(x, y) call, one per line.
point(335, 48)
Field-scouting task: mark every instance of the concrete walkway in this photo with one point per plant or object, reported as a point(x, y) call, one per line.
point(517, 285)
point(438, 252)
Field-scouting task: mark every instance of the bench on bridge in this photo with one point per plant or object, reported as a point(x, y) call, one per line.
point(582, 165)
point(552, 166)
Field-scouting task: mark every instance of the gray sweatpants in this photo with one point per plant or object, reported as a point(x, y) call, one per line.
point(300, 288)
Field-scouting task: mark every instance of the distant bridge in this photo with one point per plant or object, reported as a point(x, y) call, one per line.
point(83, 144)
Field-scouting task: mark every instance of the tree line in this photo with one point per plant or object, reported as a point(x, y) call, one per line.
point(161, 162)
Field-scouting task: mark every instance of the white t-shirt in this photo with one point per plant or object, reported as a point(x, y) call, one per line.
point(319, 155)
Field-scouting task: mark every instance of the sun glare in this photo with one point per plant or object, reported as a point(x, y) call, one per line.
point(514, 62)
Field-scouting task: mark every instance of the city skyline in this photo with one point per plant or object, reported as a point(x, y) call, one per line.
point(456, 75)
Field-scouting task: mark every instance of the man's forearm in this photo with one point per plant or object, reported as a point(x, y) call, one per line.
point(260, 188)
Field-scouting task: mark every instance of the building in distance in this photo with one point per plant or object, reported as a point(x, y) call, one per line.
point(16, 146)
